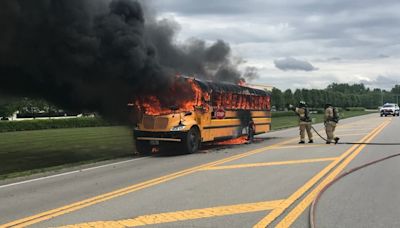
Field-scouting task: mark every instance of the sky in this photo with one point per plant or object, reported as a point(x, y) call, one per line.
point(299, 43)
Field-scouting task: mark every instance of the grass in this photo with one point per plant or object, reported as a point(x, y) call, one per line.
point(282, 122)
point(27, 152)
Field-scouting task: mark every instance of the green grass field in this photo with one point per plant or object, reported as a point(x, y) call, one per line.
point(27, 152)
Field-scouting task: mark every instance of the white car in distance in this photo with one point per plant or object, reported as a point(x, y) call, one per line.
point(390, 109)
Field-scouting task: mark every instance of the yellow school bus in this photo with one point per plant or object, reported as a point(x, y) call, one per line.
point(219, 111)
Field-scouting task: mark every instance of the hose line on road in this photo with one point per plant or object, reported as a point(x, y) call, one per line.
point(355, 143)
point(315, 201)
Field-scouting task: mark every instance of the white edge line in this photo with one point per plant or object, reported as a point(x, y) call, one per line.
point(71, 172)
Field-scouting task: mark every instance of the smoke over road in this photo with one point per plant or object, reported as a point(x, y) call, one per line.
point(97, 55)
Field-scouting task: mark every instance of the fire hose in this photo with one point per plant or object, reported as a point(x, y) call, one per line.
point(316, 199)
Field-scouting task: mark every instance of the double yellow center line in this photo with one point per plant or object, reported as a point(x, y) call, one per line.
point(337, 166)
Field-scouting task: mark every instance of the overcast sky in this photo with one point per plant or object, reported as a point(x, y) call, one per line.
point(300, 43)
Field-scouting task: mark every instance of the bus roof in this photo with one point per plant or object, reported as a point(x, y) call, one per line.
point(232, 88)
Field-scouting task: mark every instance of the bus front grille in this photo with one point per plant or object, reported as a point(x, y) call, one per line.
point(148, 122)
point(161, 123)
point(151, 122)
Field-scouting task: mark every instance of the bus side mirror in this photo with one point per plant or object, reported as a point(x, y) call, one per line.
point(188, 113)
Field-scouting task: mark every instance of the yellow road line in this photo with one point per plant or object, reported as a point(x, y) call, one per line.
point(262, 164)
point(123, 191)
point(298, 146)
point(303, 189)
point(298, 210)
point(342, 135)
point(354, 129)
point(184, 215)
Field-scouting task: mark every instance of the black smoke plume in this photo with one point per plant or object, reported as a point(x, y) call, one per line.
point(195, 57)
point(97, 55)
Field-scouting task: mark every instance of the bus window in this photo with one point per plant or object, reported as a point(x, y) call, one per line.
point(230, 101)
point(248, 102)
point(234, 101)
point(216, 99)
point(257, 102)
point(267, 103)
point(262, 103)
point(253, 102)
point(243, 103)
point(225, 100)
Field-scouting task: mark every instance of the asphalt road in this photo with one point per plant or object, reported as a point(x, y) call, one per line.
point(268, 183)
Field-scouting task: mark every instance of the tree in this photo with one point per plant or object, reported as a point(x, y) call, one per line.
point(288, 97)
point(348, 89)
point(277, 99)
point(297, 96)
point(7, 110)
point(396, 89)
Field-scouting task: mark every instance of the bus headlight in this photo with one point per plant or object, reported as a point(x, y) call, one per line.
point(178, 128)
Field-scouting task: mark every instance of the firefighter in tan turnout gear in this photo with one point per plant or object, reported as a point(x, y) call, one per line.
point(304, 121)
point(331, 119)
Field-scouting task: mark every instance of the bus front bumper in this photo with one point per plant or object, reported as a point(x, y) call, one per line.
point(169, 136)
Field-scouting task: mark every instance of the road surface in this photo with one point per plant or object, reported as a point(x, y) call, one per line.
point(269, 183)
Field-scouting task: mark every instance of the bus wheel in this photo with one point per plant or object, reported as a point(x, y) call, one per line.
point(143, 147)
point(192, 142)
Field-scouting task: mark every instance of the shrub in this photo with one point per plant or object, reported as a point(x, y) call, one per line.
point(355, 109)
point(317, 110)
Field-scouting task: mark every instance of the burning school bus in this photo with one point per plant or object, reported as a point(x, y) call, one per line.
point(216, 111)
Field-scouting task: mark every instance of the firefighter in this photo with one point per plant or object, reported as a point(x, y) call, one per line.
point(331, 119)
point(304, 121)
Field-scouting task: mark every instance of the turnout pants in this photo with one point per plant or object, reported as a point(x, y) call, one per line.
point(305, 126)
point(330, 130)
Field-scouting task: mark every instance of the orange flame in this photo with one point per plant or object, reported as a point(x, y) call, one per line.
point(236, 141)
point(151, 105)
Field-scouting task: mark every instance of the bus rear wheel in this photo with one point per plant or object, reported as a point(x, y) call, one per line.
point(191, 143)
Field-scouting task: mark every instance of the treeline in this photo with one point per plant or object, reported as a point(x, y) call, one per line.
point(29, 108)
point(340, 95)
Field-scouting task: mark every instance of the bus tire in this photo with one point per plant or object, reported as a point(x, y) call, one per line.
point(143, 147)
point(191, 143)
